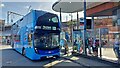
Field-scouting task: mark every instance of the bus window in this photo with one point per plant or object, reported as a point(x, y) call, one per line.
point(30, 39)
point(55, 20)
point(46, 41)
point(48, 18)
point(55, 40)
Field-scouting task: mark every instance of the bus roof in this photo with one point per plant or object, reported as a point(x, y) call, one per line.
point(39, 11)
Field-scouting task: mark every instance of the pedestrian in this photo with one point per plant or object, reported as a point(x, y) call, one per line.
point(66, 46)
point(75, 44)
point(86, 44)
point(116, 49)
point(95, 47)
point(80, 47)
point(89, 45)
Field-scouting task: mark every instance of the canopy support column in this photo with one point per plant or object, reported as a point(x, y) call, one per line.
point(77, 21)
point(84, 35)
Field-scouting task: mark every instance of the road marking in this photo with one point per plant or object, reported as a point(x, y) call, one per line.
point(53, 63)
point(74, 58)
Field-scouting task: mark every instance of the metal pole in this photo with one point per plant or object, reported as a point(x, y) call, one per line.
point(60, 16)
point(92, 23)
point(77, 20)
point(7, 16)
point(100, 42)
point(84, 35)
point(93, 28)
point(72, 33)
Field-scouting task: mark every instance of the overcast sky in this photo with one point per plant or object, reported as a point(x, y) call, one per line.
point(22, 8)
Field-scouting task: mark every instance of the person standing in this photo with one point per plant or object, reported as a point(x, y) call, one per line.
point(89, 45)
point(116, 49)
point(66, 46)
point(95, 47)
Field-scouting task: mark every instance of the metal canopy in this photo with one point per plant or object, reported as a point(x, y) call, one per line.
point(68, 7)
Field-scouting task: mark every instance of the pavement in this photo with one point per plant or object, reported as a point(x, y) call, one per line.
point(11, 58)
point(5, 47)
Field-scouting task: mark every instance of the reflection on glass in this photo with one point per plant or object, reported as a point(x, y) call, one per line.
point(49, 41)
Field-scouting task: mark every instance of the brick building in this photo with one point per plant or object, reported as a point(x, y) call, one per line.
point(108, 16)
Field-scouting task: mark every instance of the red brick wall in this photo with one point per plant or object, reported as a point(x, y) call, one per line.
point(101, 7)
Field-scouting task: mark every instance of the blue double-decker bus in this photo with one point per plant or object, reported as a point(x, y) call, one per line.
point(37, 35)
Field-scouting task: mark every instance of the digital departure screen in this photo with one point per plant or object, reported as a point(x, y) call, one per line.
point(46, 27)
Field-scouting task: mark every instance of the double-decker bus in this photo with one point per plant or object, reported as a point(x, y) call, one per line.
point(37, 35)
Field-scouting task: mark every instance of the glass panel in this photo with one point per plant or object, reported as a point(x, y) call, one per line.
point(48, 18)
point(55, 20)
point(49, 41)
point(30, 39)
point(55, 40)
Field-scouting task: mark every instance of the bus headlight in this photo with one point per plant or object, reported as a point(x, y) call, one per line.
point(36, 50)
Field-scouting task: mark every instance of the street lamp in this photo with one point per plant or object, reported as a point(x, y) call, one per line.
point(9, 13)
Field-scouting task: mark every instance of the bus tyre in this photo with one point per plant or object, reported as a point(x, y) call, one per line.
point(23, 51)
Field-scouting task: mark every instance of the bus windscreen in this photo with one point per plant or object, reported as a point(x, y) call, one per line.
point(50, 41)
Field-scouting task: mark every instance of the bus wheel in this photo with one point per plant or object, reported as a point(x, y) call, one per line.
point(23, 51)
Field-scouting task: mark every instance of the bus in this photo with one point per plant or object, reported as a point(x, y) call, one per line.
point(37, 35)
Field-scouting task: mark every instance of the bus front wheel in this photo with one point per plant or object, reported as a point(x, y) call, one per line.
point(23, 51)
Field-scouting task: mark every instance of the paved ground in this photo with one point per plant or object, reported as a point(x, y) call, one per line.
point(12, 58)
point(107, 54)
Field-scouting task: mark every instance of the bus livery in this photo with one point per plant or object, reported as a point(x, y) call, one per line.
point(37, 35)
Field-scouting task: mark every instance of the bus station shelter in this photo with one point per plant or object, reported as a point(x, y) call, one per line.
point(93, 9)
point(71, 7)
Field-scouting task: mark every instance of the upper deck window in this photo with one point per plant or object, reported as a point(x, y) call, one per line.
point(48, 18)
point(55, 20)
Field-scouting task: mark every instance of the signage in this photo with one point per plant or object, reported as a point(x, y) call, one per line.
point(53, 28)
point(81, 19)
point(81, 26)
point(46, 27)
point(37, 27)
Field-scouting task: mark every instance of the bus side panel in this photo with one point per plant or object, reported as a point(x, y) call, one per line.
point(30, 53)
point(18, 49)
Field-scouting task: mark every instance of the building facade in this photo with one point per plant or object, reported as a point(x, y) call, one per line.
point(107, 16)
